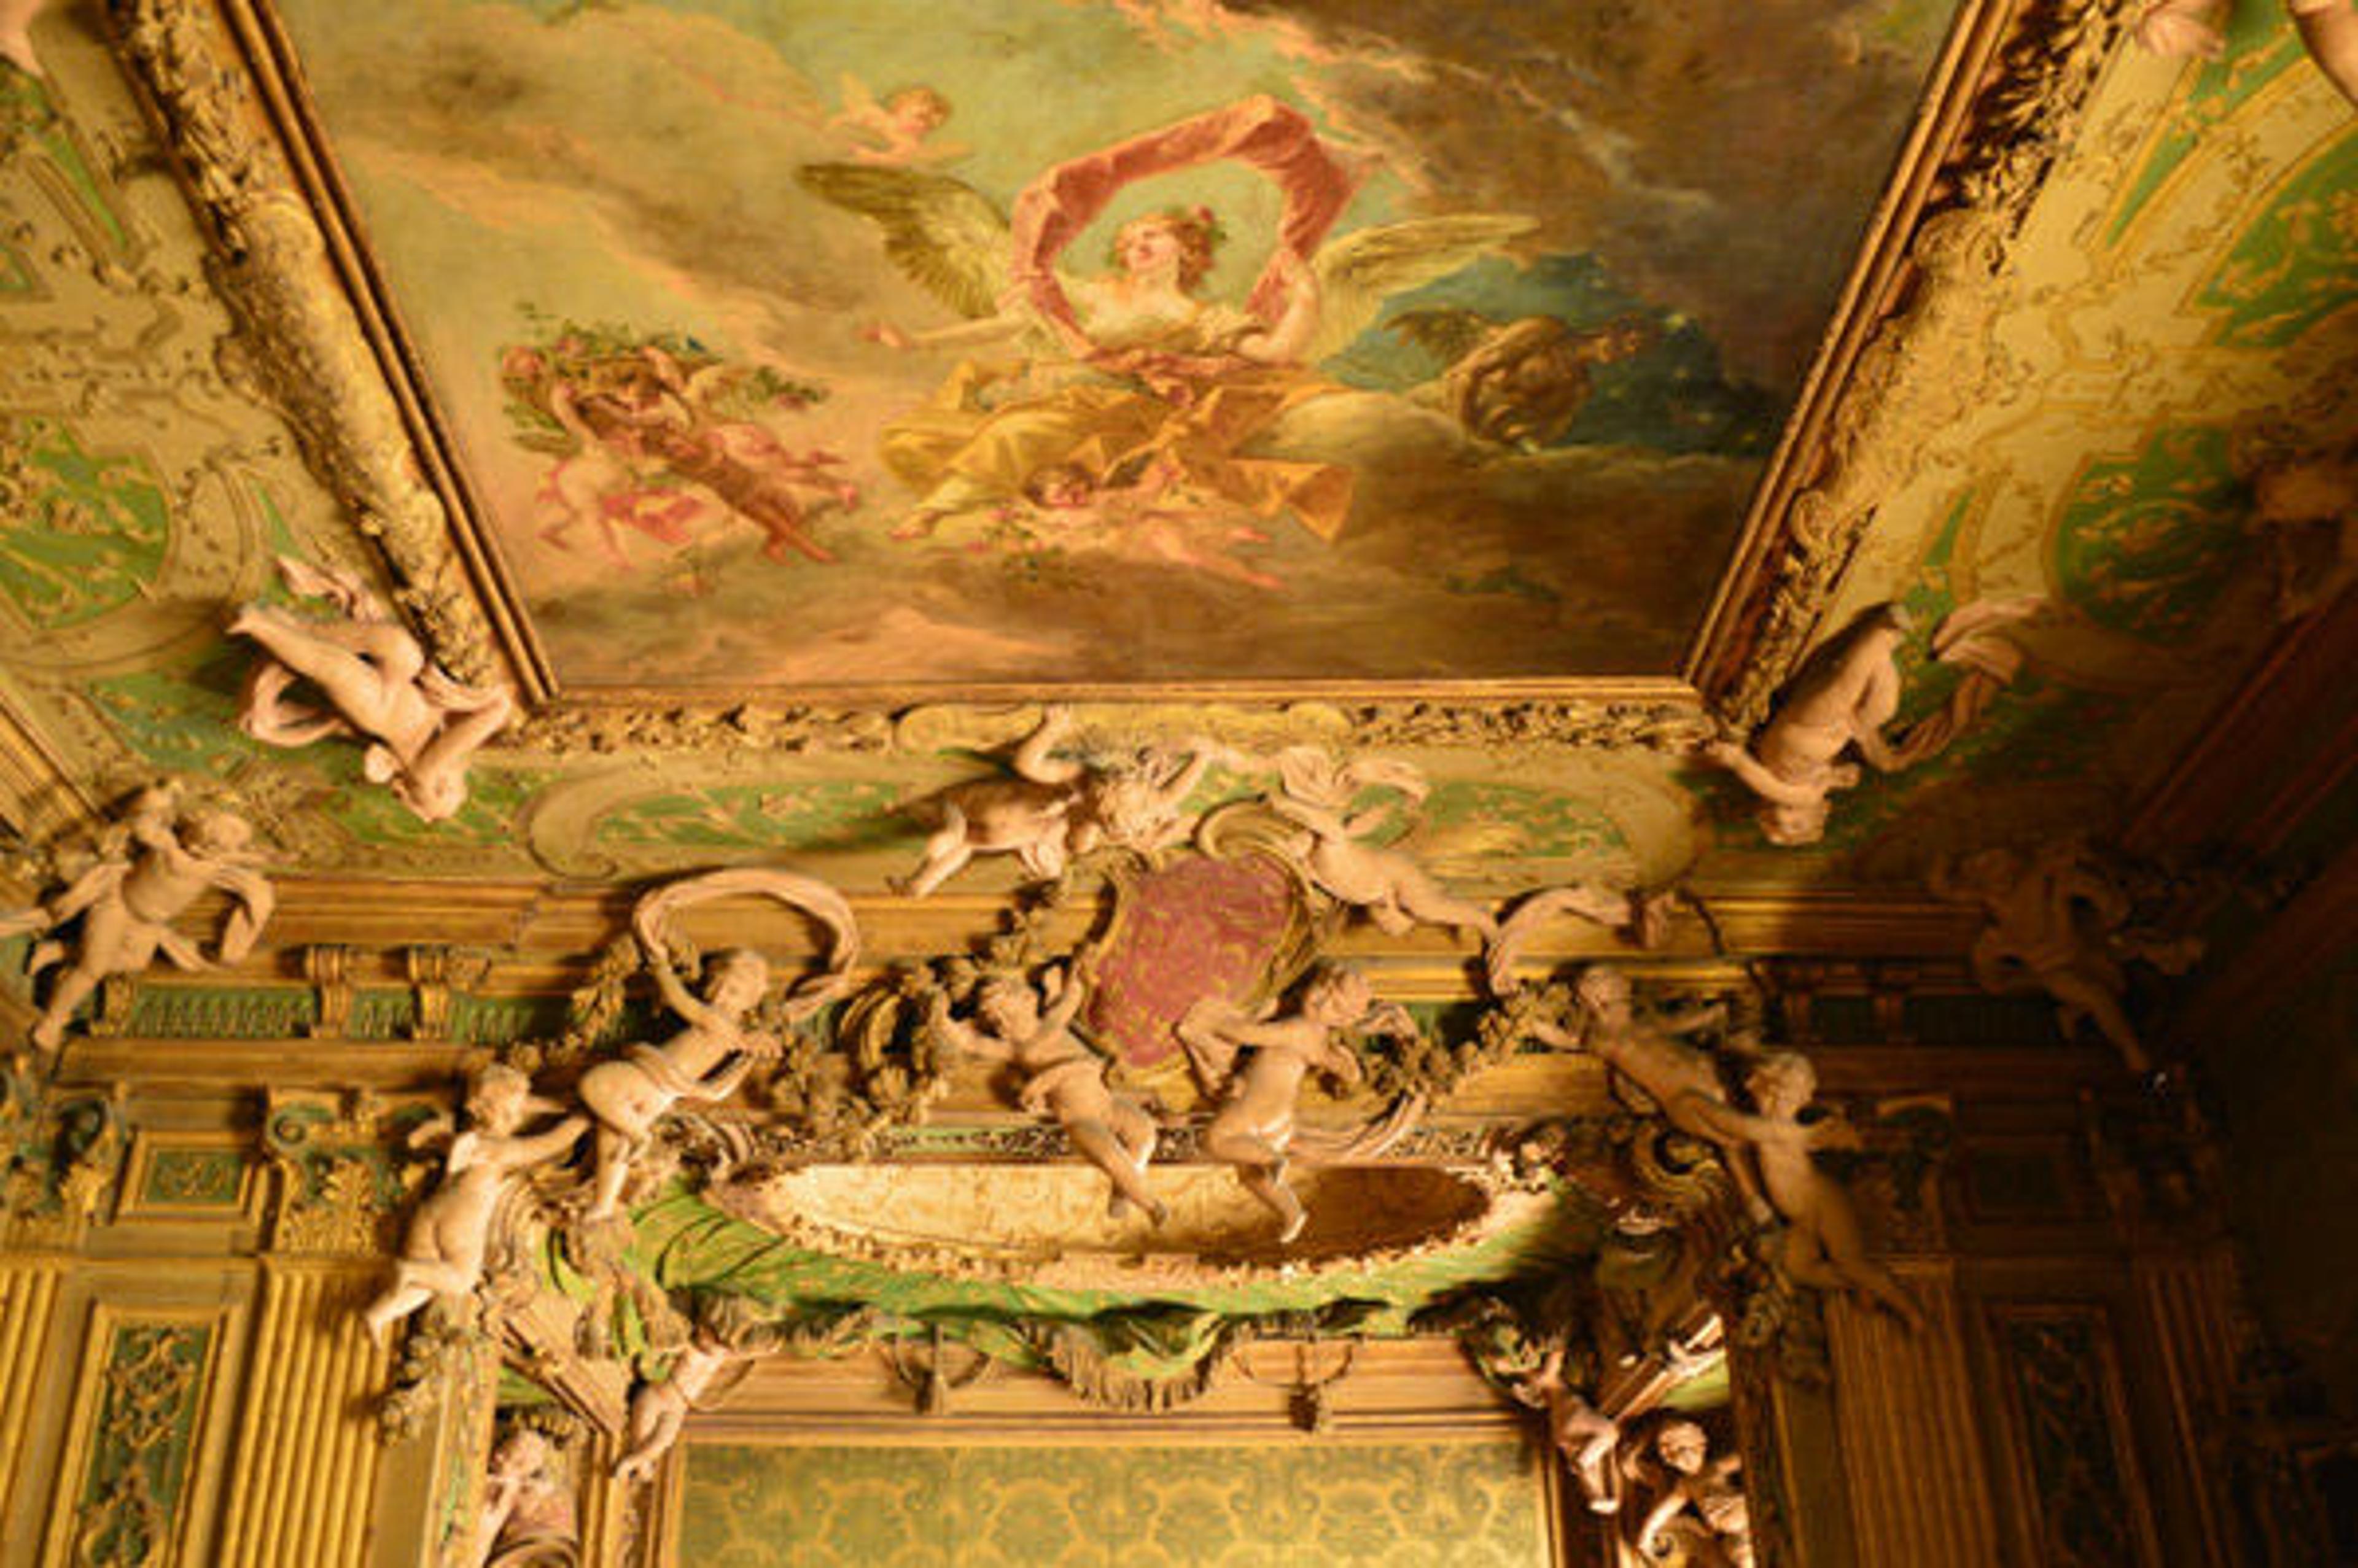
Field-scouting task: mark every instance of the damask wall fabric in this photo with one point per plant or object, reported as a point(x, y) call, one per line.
point(1467, 1504)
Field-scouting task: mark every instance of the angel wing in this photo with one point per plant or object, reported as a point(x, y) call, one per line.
point(941, 231)
point(1359, 271)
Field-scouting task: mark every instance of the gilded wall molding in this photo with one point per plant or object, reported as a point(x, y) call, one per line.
point(1660, 720)
point(302, 343)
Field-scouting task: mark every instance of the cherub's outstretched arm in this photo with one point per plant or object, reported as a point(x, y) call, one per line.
point(541, 1146)
point(1003, 328)
point(1725, 1122)
point(1297, 325)
point(675, 991)
point(1713, 1016)
point(1756, 776)
point(1069, 992)
point(254, 900)
point(1318, 819)
point(1336, 1057)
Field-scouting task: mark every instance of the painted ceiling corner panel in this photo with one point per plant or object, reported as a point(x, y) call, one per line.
point(841, 347)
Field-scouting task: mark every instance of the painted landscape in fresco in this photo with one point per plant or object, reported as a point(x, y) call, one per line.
point(825, 343)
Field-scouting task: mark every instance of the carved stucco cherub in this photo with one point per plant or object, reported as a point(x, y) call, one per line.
point(659, 1407)
point(1062, 1078)
point(1649, 1052)
point(728, 1338)
point(422, 728)
point(1697, 1507)
point(1643, 919)
point(152, 867)
point(1260, 1093)
point(1585, 1435)
point(442, 1252)
point(528, 1513)
point(1848, 690)
point(2058, 925)
point(630, 1093)
point(1339, 856)
point(1825, 1243)
point(1056, 807)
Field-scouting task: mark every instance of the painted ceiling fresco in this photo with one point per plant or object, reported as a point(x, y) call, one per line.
point(824, 344)
point(2174, 317)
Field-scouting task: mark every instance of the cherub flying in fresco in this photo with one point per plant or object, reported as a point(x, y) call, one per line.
point(1114, 376)
point(897, 133)
point(654, 438)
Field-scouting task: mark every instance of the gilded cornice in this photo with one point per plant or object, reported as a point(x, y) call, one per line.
point(1653, 715)
point(303, 344)
point(2015, 87)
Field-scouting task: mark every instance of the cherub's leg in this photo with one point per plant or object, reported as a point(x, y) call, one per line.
point(1260, 1167)
point(49, 1033)
point(1268, 1185)
point(1044, 858)
point(656, 1442)
point(2080, 997)
point(1589, 1437)
point(1805, 1264)
point(946, 853)
point(1842, 1245)
point(614, 1155)
point(1422, 898)
point(1883, 1285)
point(83, 892)
point(1137, 1131)
point(1097, 1143)
point(391, 1307)
point(353, 661)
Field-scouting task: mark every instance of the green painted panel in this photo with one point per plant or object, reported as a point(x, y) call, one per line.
point(2059, 1366)
point(2261, 47)
point(2295, 264)
point(138, 1467)
point(85, 532)
point(183, 717)
point(194, 1178)
point(193, 1012)
point(32, 120)
point(2148, 542)
point(820, 815)
point(1544, 822)
point(1469, 1505)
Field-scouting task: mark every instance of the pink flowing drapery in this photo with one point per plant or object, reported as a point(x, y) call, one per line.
point(1260, 132)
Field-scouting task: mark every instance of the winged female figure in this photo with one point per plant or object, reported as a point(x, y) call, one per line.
point(1130, 383)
